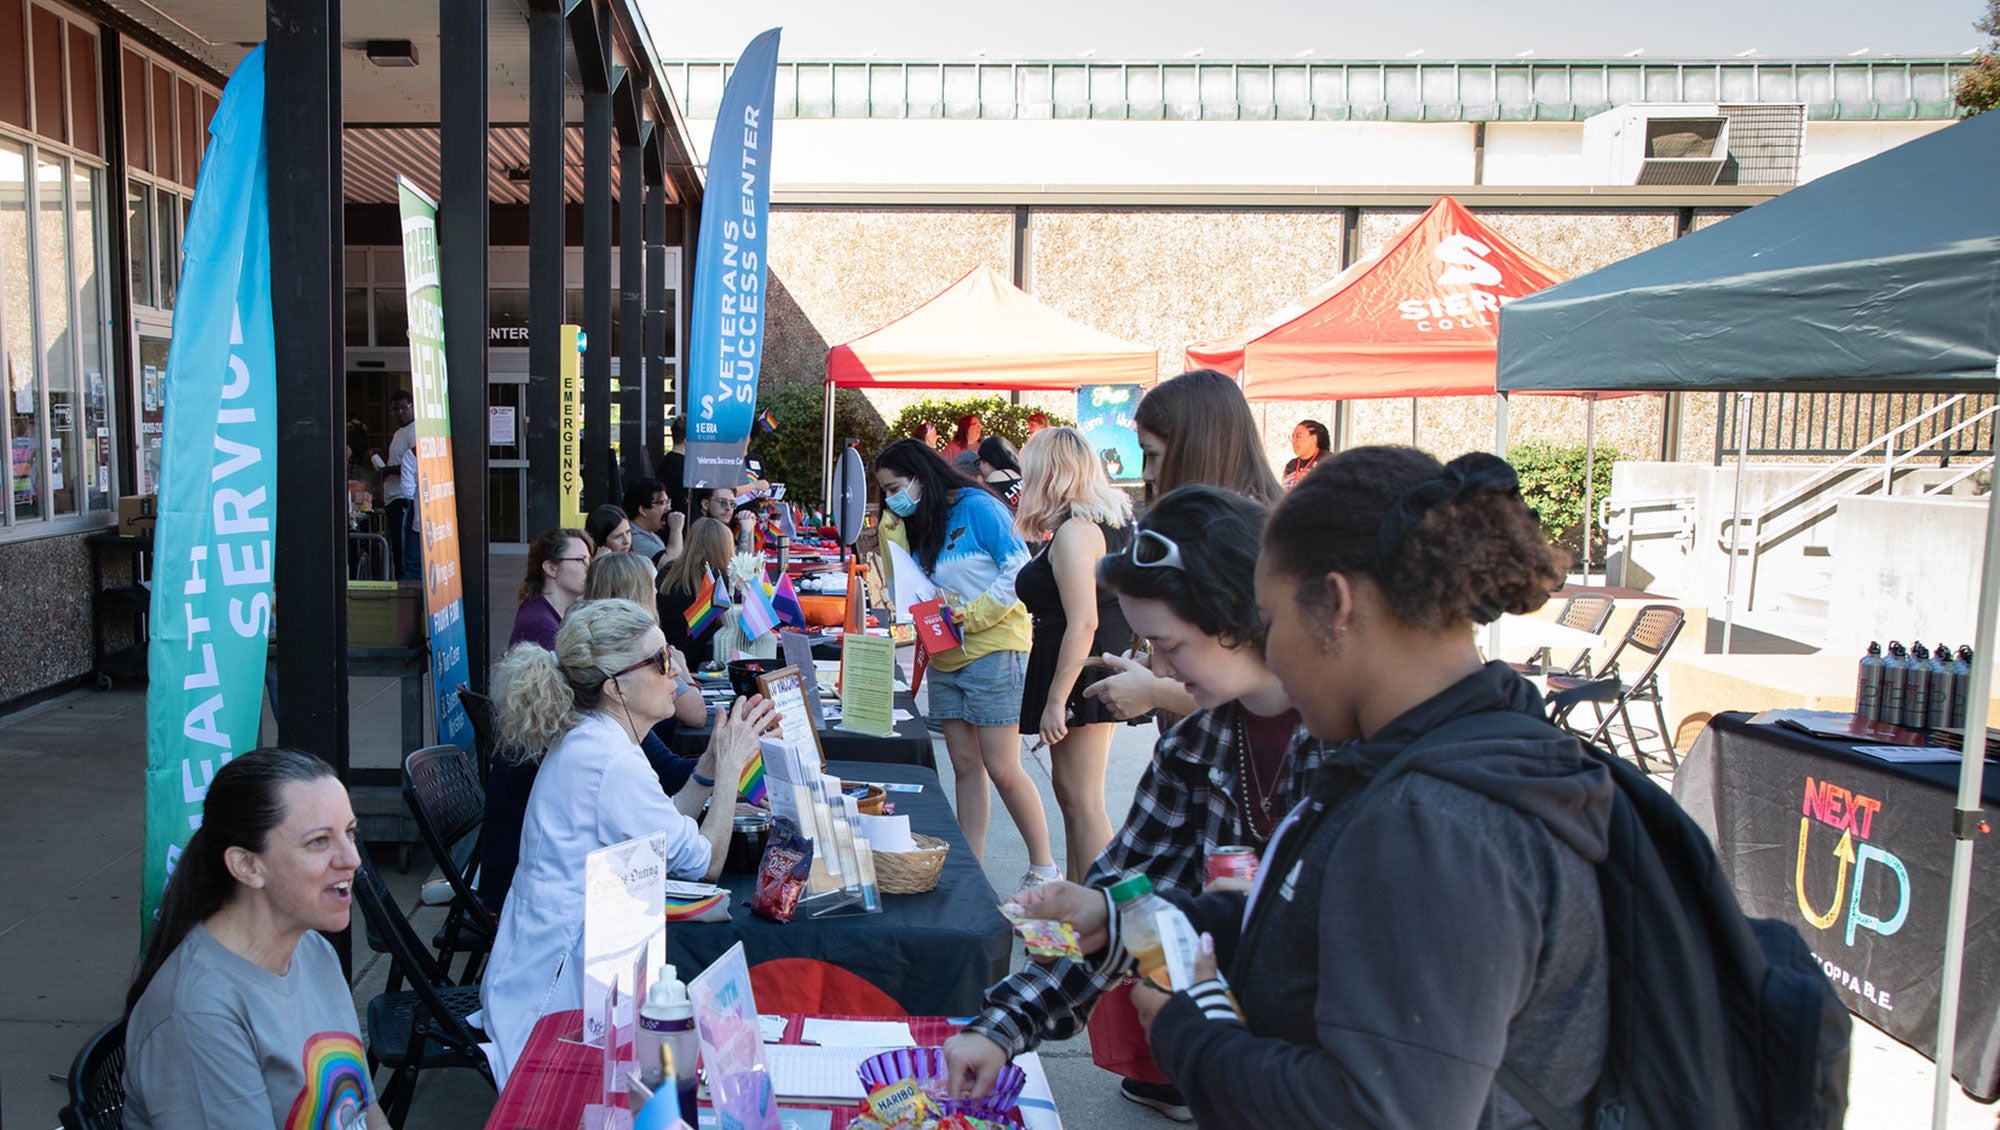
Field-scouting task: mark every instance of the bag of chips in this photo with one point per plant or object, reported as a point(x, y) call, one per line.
point(781, 876)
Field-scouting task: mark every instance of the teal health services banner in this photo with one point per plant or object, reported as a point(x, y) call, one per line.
point(211, 609)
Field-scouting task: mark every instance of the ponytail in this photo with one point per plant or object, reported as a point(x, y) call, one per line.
point(245, 801)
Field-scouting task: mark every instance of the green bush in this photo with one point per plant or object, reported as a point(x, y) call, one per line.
point(996, 417)
point(793, 449)
point(1552, 483)
point(1978, 87)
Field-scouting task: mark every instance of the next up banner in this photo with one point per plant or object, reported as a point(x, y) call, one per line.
point(437, 498)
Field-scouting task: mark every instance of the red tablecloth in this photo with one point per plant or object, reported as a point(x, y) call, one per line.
point(553, 1081)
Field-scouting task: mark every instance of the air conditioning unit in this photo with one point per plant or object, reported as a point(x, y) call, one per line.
point(1658, 144)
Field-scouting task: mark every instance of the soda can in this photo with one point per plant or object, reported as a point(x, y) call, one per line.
point(1233, 862)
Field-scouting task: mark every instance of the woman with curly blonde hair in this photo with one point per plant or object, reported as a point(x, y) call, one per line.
point(580, 712)
point(1070, 509)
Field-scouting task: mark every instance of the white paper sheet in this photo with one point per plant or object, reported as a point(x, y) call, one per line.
point(801, 1072)
point(887, 833)
point(871, 1034)
point(912, 584)
point(1909, 755)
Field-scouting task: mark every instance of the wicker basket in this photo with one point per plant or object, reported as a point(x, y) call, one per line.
point(911, 872)
point(870, 805)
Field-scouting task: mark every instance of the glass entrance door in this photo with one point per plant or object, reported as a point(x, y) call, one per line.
point(151, 334)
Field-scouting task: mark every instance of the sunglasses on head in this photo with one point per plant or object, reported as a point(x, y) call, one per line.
point(1153, 550)
point(657, 661)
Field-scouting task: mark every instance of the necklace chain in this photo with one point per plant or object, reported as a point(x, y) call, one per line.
point(1253, 785)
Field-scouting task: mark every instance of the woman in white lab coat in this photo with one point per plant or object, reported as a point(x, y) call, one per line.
point(581, 710)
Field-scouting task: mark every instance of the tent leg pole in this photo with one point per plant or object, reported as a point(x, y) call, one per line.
point(1589, 478)
point(1414, 402)
point(826, 453)
point(1971, 771)
point(1736, 518)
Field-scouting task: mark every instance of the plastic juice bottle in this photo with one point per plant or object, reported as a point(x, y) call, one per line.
point(1137, 928)
point(667, 1018)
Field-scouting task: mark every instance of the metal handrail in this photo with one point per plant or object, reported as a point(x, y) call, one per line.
point(1963, 474)
point(1849, 462)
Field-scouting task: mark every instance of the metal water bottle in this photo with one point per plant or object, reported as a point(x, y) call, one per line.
point(1944, 688)
point(1962, 667)
point(1868, 686)
point(1895, 677)
point(1917, 689)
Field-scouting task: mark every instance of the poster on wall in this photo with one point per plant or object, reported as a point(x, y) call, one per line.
point(437, 493)
point(1104, 416)
point(214, 542)
point(725, 340)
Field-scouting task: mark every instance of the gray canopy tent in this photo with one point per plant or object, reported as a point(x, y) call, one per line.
point(1882, 277)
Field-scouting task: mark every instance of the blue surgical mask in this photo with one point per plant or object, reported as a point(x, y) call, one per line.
point(902, 504)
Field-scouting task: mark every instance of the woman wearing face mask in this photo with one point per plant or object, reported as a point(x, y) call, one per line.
point(582, 710)
point(1473, 871)
point(963, 536)
point(1224, 776)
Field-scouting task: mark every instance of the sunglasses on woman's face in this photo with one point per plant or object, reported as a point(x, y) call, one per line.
point(657, 661)
point(1151, 550)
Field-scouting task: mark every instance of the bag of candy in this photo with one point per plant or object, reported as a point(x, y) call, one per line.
point(781, 876)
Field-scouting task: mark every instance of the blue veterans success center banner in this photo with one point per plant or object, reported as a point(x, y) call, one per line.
point(211, 611)
point(726, 332)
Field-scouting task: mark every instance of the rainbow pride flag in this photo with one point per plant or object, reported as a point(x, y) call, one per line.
point(703, 613)
point(752, 784)
point(764, 423)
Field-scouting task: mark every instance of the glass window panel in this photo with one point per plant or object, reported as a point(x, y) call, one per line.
point(58, 321)
point(83, 90)
point(163, 123)
point(139, 224)
point(392, 322)
point(357, 315)
point(23, 413)
point(167, 245)
point(94, 450)
point(357, 268)
point(152, 408)
point(137, 153)
point(389, 267)
point(507, 319)
point(191, 136)
point(13, 66)
point(48, 47)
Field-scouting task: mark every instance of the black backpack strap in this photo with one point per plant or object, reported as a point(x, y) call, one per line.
point(1532, 1100)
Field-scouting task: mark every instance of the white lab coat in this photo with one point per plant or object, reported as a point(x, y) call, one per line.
point(595, 789)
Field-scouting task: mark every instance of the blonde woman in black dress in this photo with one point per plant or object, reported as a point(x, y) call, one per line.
point(1076, 516)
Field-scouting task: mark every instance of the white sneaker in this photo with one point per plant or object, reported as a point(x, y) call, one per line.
point(1033, 878)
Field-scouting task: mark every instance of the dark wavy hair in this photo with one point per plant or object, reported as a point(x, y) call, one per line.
point(1215, 588)
point(938, 484)
point(1321, 436)
point(245, 801)
point(602, 521)
point(544, 549)
point(1447, 545)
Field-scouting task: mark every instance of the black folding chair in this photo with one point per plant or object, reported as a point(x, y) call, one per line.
point(1652, 634)
point(485, 735)
point(1586, 612)
point(424, 1026)
point(97, 1082)
point(441, 787)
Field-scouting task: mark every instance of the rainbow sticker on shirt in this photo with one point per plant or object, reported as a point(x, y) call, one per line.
point(335, 1096)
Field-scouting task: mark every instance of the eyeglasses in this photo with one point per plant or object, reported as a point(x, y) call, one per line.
point(1167, 555)
point(657, 661)
point(560, 560)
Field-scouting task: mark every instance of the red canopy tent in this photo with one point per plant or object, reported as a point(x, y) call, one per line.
point(983, 332)
point(1418, 318)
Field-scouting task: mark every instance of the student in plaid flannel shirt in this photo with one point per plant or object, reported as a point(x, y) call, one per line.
point(1224, 776)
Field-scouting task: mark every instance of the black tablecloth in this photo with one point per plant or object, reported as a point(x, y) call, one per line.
point(935, 952)
point(910, 746)
point(1786, 810)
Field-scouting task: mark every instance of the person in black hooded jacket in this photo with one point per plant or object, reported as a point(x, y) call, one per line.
point(1397, 951)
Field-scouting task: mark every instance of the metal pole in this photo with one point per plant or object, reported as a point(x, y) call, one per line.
point(1971, 772)
point(639, 447)
point(462, 235)
point(547, 45)
point(826, 450)
point(599, 472)
point(1736, 518)
point(1589, 477)
point(1500, 449)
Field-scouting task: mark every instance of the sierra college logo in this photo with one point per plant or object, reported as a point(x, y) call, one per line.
point(1852, 815)
point(1465, 265)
